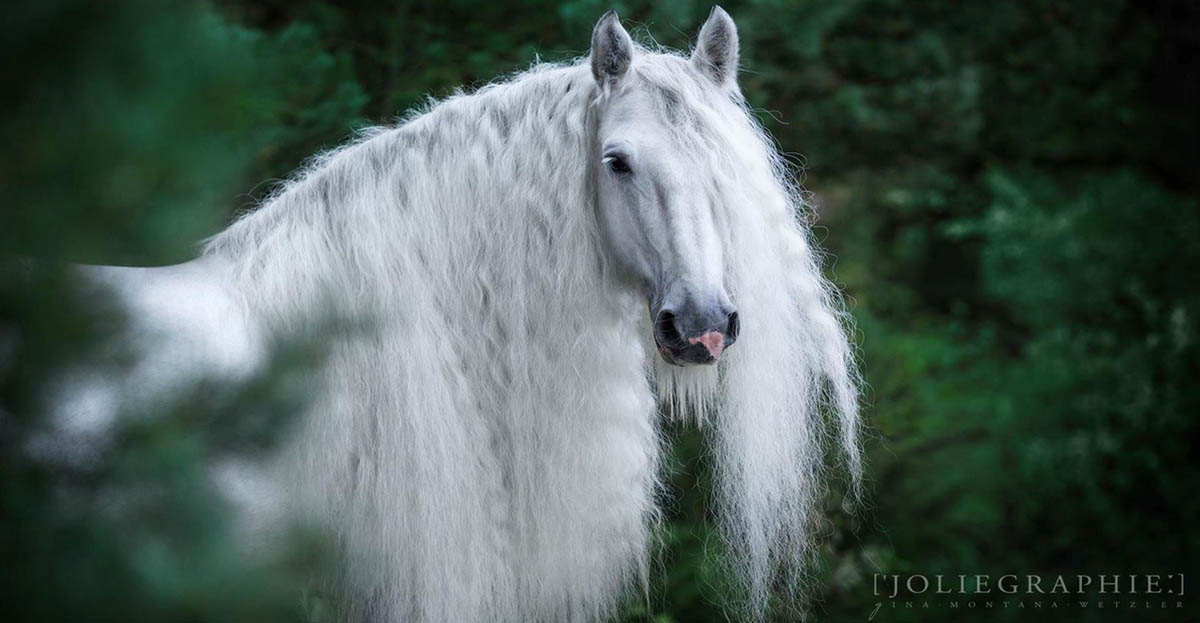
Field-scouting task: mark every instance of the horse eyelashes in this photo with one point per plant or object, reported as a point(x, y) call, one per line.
point(617, 164)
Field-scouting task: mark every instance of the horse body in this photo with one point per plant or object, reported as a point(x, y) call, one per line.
point(489, 449)
point(183, 322)
point(190, 321)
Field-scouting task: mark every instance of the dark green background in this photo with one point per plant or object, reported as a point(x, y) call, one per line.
point(1007, 190)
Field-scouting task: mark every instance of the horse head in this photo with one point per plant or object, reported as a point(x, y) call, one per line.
point(654, 166)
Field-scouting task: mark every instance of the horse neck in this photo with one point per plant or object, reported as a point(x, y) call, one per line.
point(486, 195)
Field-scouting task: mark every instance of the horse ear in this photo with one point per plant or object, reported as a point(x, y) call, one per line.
point(612, 50)
point(716, 54)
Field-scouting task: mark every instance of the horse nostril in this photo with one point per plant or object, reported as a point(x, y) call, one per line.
point(665, 329)
point(734, 326)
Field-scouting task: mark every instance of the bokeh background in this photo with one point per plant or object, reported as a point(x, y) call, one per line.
point(1007, 191)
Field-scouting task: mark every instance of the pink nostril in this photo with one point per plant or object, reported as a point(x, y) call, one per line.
point(713, 341)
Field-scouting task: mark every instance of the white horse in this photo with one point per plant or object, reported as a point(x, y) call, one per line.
point(545, 263)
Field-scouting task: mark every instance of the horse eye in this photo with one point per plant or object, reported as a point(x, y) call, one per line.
point(617, 164)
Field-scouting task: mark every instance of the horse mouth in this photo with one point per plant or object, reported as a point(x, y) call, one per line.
point(683, 354)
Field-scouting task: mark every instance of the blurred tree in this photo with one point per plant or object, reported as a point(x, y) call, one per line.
point(130, 128)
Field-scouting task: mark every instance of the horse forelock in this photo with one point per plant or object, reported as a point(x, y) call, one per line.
point(493, 449)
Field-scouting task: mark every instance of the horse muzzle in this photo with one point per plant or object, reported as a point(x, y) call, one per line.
point(692, 335)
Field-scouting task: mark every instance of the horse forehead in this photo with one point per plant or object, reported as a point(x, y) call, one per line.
point(643, 126)
point(631, 107)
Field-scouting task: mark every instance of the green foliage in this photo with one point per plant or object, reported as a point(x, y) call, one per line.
point(133, 121)
point(1111, 354)
point(1009, 191)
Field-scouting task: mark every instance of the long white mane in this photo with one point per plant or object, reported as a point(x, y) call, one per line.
point(490, 450)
